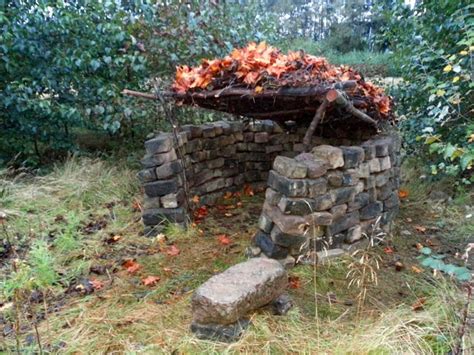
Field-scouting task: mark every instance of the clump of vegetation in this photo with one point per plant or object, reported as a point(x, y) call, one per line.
point(434, 44)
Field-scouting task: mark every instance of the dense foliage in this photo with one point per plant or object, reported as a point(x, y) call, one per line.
point(435, 42)
point(64, 63)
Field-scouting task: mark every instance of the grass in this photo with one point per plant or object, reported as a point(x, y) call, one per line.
point(76, 210)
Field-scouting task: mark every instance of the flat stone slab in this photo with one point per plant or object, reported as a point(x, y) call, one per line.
point(227, 297)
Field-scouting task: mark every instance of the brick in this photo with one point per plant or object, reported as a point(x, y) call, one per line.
point(342, 195)
point(332, 156)
point(151, 202)
point(265, 223)
point(360, 200)
point(288, 187)
point(150, 161)
point(194, 130)
point(372, 210)
point(208, 131)
point(272, 197)
point(286, 240)
point(354, 234)
point(160, 144)
point(382, 178)
point(156, 216)
point(268, 246)
point(215, 163)
point(319, 219)
point(273, 148)
point(353, 156)
point(374, 165)
point(289, 224)
point(146, 175)
point(343, 223)
point(161, 188)
point(173, 200)
point(168, 170)
point(385, 163)
point(316, 187)
point(338, 211)
point(261, 137)
point(289, 167)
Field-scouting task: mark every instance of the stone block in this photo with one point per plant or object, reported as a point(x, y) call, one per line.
point(193, 146)
point(369, 150)
point(331, 155)
point(382, 178)
point(338, 211)
point(350, 177)
point(343, 223)
point(146, 175)
point(268, 247)
point(152, 160)
point(215, 163)
point(208, 131)
point(286, 240)
point(238, 136)
point(227, 297)
point(335, 178)
point(173, 200)
point(363, 171)
point(195, 131)
point(156, 216)
point(360, 200)
point(272, 197)
point(210, 186)
point(265, 223)
point(160, 144)
point(391, 202)
point(354, 234)
point(255, 147)
point(372, 210)
point(353, 156)
point(385, 163)
point(273, 148)
point(289, 167)
point(342, 195)
point(374, 165)
point(289, 224)
point(316, 187)
point(326, 256)
point(248, 136)
point(316, 168)
point(319, 219)
point(151, 202)
point(279, 139)
point(220, 332)
point(168, 170)
point(261, 137)
point(288, 187)
point(161, 187)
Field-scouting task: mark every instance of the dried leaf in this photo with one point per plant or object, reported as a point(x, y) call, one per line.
point(150, 280)
point(416, 270)
point(248, 190)
point(421, 229)
point(196, 199)
point(96, 284)
point(173, 250)
point(399, 266)
point(294, 282)
point(388, 250)
point(418, 305)
point(224, 239)
point(131, 266)
point(402, 193)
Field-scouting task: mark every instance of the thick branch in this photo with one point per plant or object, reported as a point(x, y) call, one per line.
point(320, 112)
point(336, 97)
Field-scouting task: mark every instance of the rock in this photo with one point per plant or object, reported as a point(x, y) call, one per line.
point(288, 187)
point(343, 223)
point(194, 130)
point(371, 211)
point(382, 178)
point(161, 188)
point(160, 144)
point(227, 297)
point(261, 137)
point(286, 240)
point(168, 170)
point(152, 160)
point(151, 202)
point(335, 178)
point(331, 155)
point(288, 224)
point(268, 247)
point(391, 202)
point(316, 187)
point(374, 165)
point(319, 219)
point(342, 195)
point(252, 252)
point(173, 200)
point(288, 262)
point(360, 200)
point(289, 167)
point(282, 304)
point(354, 234)
point(385, 163)
point(156, 216)
point(352, 156)
point(220, 332)
point(208, 131)
point(265, 223)
point(338, 211)
point(369, 150)
point(272, 197)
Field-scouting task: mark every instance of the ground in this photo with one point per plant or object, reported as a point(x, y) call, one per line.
point(79, 277)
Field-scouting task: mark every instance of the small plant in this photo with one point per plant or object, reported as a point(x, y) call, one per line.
point(363, 270)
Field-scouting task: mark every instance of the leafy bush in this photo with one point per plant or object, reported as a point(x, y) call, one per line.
point(434, 43)
point(64, 63)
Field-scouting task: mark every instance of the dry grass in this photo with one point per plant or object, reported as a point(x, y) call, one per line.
point(127, 317)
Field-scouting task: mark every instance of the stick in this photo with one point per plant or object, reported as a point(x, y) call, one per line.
point(340, 100)
point(319, 115)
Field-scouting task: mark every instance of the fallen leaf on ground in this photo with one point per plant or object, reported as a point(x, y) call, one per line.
point(418, 305)
point(294, 282)
point(96, 284)
point(224, 239)
point(227, 195)
point(150, 280)
point(136, 206)
point(228, 214)
point(131, 266)
point(388, 250)
point(416, 270)
point(196, 199)
point(419, 246)
point(421, 229)
point(399, 266)
point(113, 239)
point(248, 190)
point(173, 250)
point(403, 193)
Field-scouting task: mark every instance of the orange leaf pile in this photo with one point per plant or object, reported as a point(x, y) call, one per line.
point(261, 66)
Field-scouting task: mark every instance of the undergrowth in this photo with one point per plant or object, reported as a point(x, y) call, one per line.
point(79, 224)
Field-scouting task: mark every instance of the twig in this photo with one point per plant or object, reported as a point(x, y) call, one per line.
point(320, 112)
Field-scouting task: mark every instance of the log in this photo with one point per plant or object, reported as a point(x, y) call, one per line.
point(338, 99)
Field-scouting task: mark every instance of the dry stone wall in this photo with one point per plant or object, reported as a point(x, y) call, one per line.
point(328, 198)
point(322, 199)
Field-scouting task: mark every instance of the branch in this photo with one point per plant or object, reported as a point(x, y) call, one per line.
point(340, 100)
point(320, 112)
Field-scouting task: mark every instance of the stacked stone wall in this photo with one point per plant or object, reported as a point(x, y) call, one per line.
point(329, 198)
point(320, 199)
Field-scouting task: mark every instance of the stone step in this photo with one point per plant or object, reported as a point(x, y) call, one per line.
point(229, 296)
